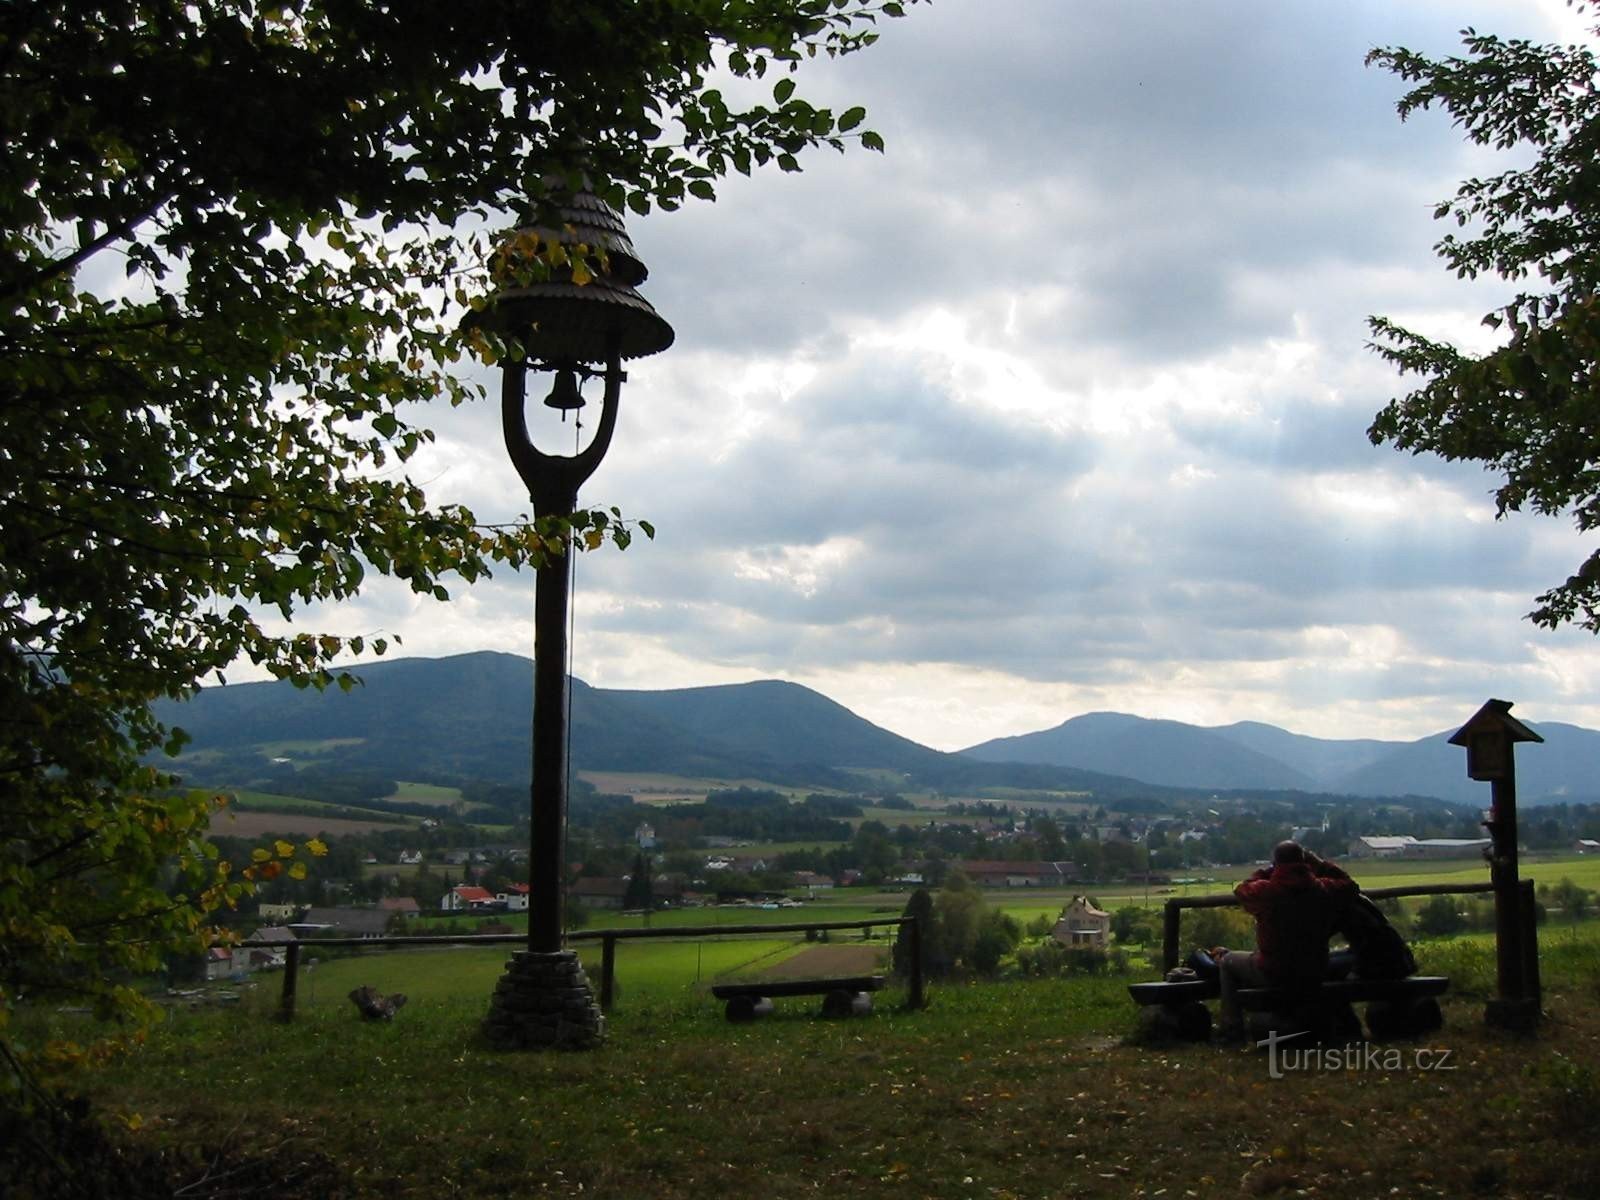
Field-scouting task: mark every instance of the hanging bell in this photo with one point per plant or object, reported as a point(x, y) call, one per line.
point(565, 396)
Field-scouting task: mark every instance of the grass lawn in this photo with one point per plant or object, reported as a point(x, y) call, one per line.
point(654, 971)
point(1022, 1090)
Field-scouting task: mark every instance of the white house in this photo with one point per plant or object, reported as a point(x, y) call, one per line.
point(410, 858)
point(465, 896)
point(219, 962)
point(645, 836)
point(1082, 924)
point(515, 897)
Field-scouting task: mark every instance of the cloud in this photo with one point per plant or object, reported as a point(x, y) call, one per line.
point(1060, 404)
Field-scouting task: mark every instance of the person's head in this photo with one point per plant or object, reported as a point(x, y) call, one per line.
point(1287, 852)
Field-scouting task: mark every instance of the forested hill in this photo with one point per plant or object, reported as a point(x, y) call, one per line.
point(468, 717)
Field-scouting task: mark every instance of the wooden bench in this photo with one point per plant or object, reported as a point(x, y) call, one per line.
point(1176, 1010)
point(1395, 1007)
point(840, 997)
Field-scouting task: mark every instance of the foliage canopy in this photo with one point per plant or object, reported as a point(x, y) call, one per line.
point(235, 242)
point(1527, 408)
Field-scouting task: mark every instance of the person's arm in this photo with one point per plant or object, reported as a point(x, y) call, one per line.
point(1323, 869)
point(1253, 893)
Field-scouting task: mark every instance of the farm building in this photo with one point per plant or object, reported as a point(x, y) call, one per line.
point(1017, 874)
point(1407, 846)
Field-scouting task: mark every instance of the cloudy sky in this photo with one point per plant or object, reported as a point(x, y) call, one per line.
point(1060, 405)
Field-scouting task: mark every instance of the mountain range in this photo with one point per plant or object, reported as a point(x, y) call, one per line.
point(468, 717)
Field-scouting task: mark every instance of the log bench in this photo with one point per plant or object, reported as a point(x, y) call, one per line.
point(840, 997)
point(1395, 1007)
point(1176, 1010)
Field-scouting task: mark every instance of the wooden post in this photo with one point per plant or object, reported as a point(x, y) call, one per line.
point(1171, 922)
point(1510, 965)
point(1532, 986)
point(608, 970)
point(291, 969)
point(916, 999)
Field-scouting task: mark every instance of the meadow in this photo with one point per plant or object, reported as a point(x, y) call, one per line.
point(650, 970)
point(1019, 1090)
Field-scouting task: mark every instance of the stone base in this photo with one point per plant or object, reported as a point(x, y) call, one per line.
point(544, 1001)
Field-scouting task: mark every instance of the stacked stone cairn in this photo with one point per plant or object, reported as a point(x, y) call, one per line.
point(544, 1001)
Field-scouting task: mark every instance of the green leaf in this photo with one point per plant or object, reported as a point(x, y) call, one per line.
point(851, 117)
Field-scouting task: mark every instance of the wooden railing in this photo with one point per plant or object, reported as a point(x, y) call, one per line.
point(909, 927)
point(1172, 914)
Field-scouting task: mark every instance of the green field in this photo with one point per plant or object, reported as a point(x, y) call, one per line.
point(304, 747)
point(250, 801)
point(1019, 1090)
point(424, 793)
point(652, 970)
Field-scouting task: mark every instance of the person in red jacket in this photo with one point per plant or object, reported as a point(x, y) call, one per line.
point(1296, 909)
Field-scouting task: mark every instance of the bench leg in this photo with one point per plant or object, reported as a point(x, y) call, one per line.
point(846, 1004)
point(1320, 1020)
point(1186, 1021)
point(1403, 1018)
point(748, 1008)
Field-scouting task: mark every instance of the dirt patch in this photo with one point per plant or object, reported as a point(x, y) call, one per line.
point(828, 962)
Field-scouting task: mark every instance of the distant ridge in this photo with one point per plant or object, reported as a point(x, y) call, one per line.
point(467, 718)
point(1252, 755)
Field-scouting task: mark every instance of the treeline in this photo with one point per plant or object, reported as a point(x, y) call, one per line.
point(745, 814)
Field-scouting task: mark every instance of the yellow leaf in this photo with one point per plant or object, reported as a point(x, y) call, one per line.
point(259, 855)
point(284, 849)
point(297, 870)
point(317, 847)
point(593, 539)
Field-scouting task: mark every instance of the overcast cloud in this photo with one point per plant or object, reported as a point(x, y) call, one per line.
point(1060, 405)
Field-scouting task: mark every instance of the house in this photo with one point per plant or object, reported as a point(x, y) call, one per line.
point(515, 897)
point(342, 922)
point(1586, 846)
point(404, 906)
point(645, 836)
point(219, 962)
point(1082, 924)
point(1017, 874)
point(258, 958)
point(465, 896)
point(594, 892)
point(277, 912)
point(410, 858)
point(264, 949)
point(812, 881)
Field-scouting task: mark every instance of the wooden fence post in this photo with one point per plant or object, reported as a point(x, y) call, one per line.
point(608, 970)
point(291, 969)
point(1171, 919)
point(1532, 987)
point(916, 999)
